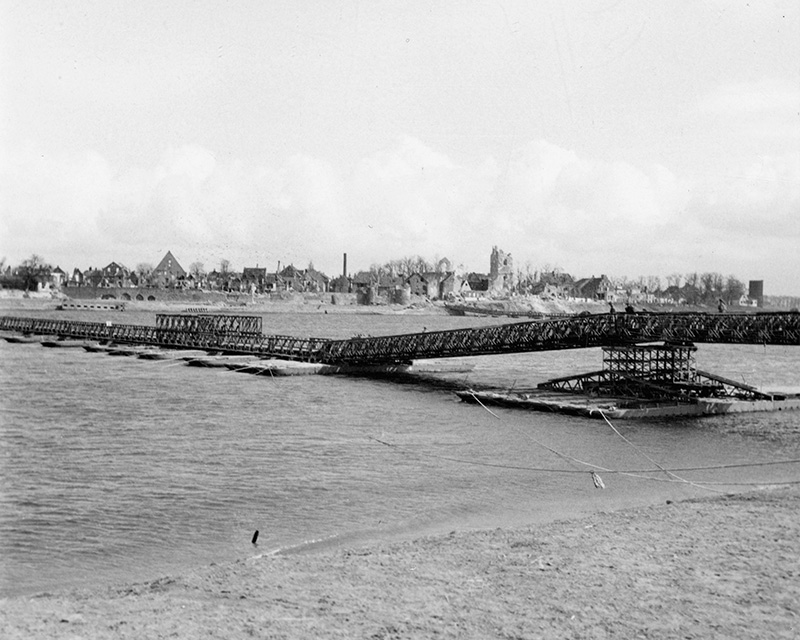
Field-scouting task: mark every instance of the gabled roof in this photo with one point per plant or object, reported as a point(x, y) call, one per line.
point(362, 277)
point(317, 275)
point(114, 267)
point(170, 266)
point(291, 272)
point(249, 272)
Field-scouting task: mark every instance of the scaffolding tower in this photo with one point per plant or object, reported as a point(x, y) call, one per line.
point(653, 372)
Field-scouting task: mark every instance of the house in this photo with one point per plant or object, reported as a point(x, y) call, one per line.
point(594, 289)
point(93, 277)
point(272, 283)
point(340, 284)
point(551, 290)
point(168, 273)
point(293, 278)
point(254, 279)
point(424, 284)
point(449, 285)
point(433, 284)
point(316, 281)
point(390, 285)
point(363, 279)
point(234, 282)
point(115, 275)
point(477, 284)
point(58, 277)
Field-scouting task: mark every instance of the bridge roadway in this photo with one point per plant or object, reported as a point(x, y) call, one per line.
point(572, 332)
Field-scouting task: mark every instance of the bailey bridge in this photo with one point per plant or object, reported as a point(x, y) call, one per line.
point(239, 334)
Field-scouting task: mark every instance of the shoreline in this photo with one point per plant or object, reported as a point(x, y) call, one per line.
point(721, 566)
point(323, 304)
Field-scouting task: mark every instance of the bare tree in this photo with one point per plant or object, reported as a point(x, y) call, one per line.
point(145, 272)
point(653, 284)
point(674, 280)
point(197, 270)
point(33, 270)
point(377, 271)
point(734, 289)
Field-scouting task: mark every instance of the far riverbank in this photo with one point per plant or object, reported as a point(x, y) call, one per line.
point(327, 303)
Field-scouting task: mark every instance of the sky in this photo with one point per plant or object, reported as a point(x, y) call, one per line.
point(619, 137)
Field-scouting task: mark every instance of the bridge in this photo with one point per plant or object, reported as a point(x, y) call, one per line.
point(242, 335)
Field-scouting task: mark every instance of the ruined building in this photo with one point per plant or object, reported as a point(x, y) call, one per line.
point(501, 272)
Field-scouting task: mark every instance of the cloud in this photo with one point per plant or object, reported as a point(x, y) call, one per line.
point(51, 201)
point(545, 204)
point(761, 199)
point(764, 112)
point(411, 199)
point(765, 96)
point(577, 212)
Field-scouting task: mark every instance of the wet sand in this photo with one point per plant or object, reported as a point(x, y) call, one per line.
point(718, 567)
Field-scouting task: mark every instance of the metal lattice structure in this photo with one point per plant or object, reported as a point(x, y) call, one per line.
point(289, 347)
point(673, 364)
point(653, 372)
point(574, 332)
point(209, 323)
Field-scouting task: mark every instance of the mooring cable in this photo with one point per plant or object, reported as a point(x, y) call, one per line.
point(738, 465)
point(633, 473)
point(541, 444)
point(673, 477)
point(649, 458)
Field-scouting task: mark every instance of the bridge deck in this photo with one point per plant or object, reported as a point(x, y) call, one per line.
point(574, 332)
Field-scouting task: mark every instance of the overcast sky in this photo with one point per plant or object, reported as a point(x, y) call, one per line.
point(621, 137)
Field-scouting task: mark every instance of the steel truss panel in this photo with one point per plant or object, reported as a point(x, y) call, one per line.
point(537, 335)
point(668, 363)
point(209, 323)
point(568, 333)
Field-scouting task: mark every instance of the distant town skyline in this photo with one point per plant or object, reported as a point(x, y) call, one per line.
point(406, 265)
point(624, 138)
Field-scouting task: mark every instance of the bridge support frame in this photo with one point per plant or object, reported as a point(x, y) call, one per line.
point(653, 372)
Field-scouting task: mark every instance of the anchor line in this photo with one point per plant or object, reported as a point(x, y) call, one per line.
point(672, 477)
point(541, 444)
point(633, 473)
point(641, 452)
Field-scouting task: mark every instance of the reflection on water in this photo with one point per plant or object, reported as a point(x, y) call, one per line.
point(117, 469)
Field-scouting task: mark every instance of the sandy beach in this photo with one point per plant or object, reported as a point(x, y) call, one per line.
point(717, 567)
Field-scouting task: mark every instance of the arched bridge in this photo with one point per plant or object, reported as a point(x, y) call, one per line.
point(236, 334)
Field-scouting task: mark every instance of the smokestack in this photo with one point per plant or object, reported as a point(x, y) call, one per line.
point(344, 265)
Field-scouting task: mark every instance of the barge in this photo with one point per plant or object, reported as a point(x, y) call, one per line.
point(622, 408)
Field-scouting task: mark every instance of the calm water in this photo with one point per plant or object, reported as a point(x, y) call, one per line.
point(118, 469)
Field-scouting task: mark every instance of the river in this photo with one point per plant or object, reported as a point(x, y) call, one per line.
point(116, 470)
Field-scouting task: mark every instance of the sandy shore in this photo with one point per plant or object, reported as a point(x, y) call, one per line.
point(721, 567)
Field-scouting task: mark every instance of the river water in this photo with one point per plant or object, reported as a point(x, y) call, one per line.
point(115, 470)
